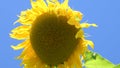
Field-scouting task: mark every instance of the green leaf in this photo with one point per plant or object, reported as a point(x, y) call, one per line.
point(94, 60)
point(117, 66)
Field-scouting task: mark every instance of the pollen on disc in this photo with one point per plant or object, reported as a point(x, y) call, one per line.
point(52, 38)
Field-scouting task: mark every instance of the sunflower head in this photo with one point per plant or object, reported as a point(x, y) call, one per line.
point(52, 38)
point(53, 35)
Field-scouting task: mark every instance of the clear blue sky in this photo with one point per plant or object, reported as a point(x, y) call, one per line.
point(105, 13)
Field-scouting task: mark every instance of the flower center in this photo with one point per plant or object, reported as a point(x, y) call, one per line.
point(52, 38)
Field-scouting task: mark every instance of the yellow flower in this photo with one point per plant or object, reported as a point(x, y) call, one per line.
point(52, 34)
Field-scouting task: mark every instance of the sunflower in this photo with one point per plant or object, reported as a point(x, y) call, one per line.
point(53, 35)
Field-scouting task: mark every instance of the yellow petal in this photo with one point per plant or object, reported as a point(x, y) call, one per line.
point(86, 25)
point(20, 32)
point(65, 4)
point(21, 45)
point(90, 43)
point(79, 34)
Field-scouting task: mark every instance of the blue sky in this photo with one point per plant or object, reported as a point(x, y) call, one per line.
point(105, 13)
